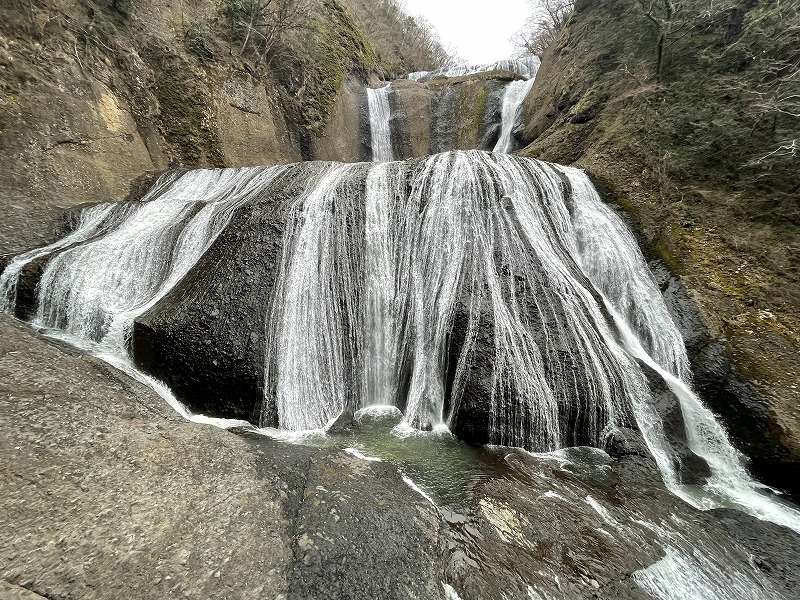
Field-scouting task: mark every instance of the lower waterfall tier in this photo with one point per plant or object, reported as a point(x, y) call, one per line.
point(492, 295)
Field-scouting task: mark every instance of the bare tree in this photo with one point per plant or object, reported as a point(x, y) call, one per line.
point(770, 87)
point(413, 40)
point(676, 19)
point(543, 26)
point(261, 24)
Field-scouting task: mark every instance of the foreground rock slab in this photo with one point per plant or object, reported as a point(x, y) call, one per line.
point(106, 493)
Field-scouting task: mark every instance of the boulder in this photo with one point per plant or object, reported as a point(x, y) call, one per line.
point(206, 338)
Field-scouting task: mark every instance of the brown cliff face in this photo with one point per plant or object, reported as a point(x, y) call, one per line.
point(96, 93)
point(691, 141)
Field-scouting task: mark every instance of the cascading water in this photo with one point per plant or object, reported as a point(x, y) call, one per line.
point(123, 258)
point(446, 101)
point(610, 257)
point(513, 100)
point(525, 67)
point(90, 222)
point(468, 285)
point(316, 336)
point(379, 123)
point(462, 233)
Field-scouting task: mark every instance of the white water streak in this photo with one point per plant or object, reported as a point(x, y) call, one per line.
point(699, 568)
point(610, 257)
point(95, 290)
point(90, 222)
point(318, 314)
point(695, 576)
point(513, 102)
point(93, 286)
point(379, 123)
point(478, 237)
point(386, 284)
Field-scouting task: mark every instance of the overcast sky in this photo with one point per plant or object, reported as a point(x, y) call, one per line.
point(479, 30)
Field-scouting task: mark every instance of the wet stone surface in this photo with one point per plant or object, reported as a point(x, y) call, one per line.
point(106, 493)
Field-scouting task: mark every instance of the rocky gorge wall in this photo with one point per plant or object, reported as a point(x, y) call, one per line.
point(96, 93)
point(678, 139)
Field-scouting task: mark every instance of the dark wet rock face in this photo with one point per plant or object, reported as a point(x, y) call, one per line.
point(368, 536)
point(774, 552)
point(472, 415)
point(691, 468)
point(577, 528)
point(398, 126)
point(492, 117)
point(744, 411)
point(626, 442)
point(205, 339)
point(26, 288)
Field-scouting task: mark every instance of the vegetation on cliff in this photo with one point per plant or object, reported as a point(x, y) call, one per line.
point(548, 19)
point(686, 111)
point(167, 61)
point(403, 43)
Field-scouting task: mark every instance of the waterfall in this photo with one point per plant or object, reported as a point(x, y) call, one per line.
point(90, 221)
point(94, 286)
point(385, 341)
point(526, 67)
point(379, 123)
point(611, 258)
point(446, 101)
point(513, 100)
point(468, 285)
point(315, 324)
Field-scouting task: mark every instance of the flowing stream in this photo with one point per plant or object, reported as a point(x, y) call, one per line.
point(513, 99)
point(525, 67)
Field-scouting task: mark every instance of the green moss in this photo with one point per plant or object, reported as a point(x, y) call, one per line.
point(472, 101)
point(200, 42)
point(100, 32)
point(667, 246)
point(342, 49)
point(185, 118)
point(479, 109)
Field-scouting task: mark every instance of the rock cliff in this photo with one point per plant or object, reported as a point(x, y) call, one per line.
point(96, 93)
point(678, 116)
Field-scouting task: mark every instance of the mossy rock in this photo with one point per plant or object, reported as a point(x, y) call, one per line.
point(332, 48)
point(186, 118)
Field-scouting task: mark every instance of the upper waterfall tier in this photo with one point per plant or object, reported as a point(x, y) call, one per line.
point(405, 119)
point(428, 114)
point(526, 67)
point(379, 119)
